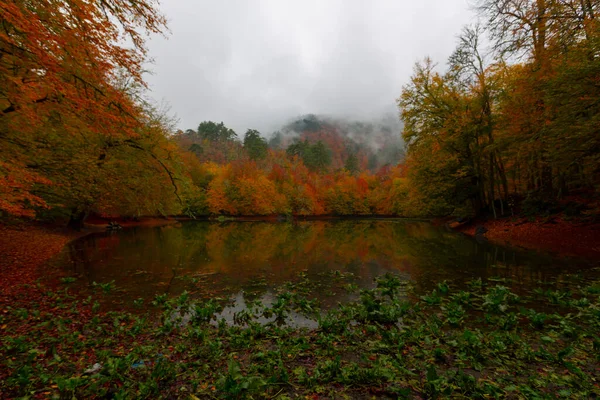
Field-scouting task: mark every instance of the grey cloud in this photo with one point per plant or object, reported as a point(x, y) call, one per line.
point(256, 64)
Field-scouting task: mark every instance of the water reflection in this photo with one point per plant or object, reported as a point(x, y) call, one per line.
point(250, 260)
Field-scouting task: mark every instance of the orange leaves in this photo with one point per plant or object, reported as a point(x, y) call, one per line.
point(287, 186)
point(243, 189)
point(67, 55)
point(218, 202)
point(362, 186)
point(62, 78)
point(277, 173)
point(260, 197)
point(16, 184)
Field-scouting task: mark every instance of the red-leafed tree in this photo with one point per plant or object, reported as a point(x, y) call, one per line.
point(70, 71)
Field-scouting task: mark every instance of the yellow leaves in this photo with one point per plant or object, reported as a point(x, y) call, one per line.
point(288, 187)
point(217, 198)
point(234, 192)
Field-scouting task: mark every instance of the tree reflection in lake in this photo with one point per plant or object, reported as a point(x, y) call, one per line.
point(253, 259)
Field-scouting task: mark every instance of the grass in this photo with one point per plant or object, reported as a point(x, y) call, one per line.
point(479, 342)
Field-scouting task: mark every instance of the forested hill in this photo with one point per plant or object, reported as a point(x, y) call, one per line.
point(356, 145)
point(375, 142)
point(311, 166)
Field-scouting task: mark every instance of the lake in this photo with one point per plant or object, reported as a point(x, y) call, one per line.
point(248, 261)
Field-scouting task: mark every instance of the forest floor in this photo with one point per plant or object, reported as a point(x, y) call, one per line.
point(556, 234)
point(25, 249)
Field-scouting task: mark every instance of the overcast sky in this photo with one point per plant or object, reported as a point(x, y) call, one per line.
point(258, 63)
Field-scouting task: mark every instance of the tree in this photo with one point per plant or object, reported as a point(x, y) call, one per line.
point(526, 123)
point(351, 164)
point(519, 26)
point(62, 65)
point(255, 145)
point(307, 123)
point(67, 54)
point(215, 132)
point(317, 157)
point(470, 70)
point(449, 128)
point(548, 35)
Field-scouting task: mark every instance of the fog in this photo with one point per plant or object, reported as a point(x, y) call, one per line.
point(257, 64)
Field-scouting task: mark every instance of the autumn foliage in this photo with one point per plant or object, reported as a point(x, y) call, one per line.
point(72, 125)
point(78, 135)
point(513, 127)
point(284, 185)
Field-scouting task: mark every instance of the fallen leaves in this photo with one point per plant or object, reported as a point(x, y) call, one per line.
point(562, 237)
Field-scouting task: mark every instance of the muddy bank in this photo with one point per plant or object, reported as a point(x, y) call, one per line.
point(555, 235)
point(98, 223)
point(25, 250)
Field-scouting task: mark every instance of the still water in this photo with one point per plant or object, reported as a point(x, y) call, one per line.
point(243, 261)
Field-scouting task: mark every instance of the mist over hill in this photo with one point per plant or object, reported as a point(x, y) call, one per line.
point(376, 142)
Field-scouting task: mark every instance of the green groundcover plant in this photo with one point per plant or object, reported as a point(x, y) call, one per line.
point(476, 341)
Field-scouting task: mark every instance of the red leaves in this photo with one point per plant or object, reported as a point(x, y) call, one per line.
point(562, 237)
point(15, 190)
point(24, 252)
point(63, 67)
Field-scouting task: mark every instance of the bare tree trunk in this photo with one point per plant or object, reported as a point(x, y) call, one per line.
point(502, 176)
point(77, 219)
point(492, 194)
point(517, 178)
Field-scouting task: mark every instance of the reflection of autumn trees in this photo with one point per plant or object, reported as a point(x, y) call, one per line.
point(310, 243)
point(233, 256)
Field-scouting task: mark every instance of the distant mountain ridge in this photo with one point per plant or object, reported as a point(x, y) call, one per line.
point(376, 142)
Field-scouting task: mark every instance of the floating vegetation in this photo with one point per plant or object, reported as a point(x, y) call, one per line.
point(484, 342)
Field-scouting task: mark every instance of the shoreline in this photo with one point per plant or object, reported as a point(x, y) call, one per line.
point(26, 248)
point(96, 224)
point(559, 237)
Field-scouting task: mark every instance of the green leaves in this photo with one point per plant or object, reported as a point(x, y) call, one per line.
point(214, 132)
point(316, 156)
point(236, 384)
point(255, 145)
point(380, 344)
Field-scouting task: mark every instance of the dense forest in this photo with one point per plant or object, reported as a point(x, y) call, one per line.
point(511, 123)
point(517, 123)
point(311, 166)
